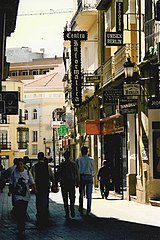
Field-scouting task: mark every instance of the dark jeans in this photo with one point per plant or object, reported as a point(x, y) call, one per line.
point(86, 182)
point(68, 192)
point(42, 206)
point(20, 210)
point(104, 188)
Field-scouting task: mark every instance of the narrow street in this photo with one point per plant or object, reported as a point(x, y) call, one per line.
point(112, 219)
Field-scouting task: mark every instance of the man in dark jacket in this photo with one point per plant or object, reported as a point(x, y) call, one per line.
point(43, 175)
point(68, 175)
point(104, 176)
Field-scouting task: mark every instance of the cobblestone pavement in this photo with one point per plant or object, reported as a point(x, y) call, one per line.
point(112, 219)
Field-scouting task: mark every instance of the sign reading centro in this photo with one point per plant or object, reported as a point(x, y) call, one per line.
point(75, 35)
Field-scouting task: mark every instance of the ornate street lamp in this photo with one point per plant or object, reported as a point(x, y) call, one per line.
point(128, 68)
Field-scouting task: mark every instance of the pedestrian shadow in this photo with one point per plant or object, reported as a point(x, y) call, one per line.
point(81, 227)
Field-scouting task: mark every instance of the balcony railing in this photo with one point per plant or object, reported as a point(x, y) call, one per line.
point(121, 55)
point(5, 145)
point(4, 119)
point(108, 71)
point(84, 5)
point(22, 145)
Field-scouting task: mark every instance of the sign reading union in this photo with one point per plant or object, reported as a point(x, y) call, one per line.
point(75, 35)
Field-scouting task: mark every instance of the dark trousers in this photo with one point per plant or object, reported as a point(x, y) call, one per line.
point(86, 183)
point(42, 206)
point(68, 192)
point(20, 210)
point(104, 188)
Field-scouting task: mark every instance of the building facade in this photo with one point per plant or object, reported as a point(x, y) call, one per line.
point(43, 98)
point(119, 120)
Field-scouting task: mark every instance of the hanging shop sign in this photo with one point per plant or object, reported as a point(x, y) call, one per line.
point(130, 89)
point(93, 79)
point(128, 106)
point(76, 75)
point(10, 99)
point(2, 107)
point(62, 130)
point(114, 39)
point(119, 17)
point(75, 35)
point(112, 95)
point(154, 103)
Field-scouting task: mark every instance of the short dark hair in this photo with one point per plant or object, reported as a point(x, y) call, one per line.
point(40, 156)
point(84, 150)
point(66, 154)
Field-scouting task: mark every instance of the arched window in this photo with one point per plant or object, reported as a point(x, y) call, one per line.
point(34, 114)
point(26, 114)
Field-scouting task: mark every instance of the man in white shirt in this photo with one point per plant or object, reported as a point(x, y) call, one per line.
point(86, 170)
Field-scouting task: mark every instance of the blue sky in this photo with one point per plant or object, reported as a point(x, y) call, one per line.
point(41, 31)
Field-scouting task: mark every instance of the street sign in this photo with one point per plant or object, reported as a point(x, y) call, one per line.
point(62, 130)
point(132, 89)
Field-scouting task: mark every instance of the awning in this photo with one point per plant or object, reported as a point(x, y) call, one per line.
point(110, 125)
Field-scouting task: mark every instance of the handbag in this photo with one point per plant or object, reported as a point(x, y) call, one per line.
point(54, 187)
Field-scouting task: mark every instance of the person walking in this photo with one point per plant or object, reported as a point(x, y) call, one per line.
point(21, 180)
point(104, 176)
point(86, 169)
point(9, 172)
point(43, 175)
point(68, 175)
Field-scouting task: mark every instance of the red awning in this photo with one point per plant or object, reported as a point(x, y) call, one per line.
point(93, 127)
point(104, 126)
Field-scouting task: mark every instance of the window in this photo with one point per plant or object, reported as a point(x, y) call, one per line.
point(34, 136)
point(34, 149)
point(35, 72)
point(34, 114)
point(25, 73)
point(26, 114)
point(3, 136)
point(14, 74)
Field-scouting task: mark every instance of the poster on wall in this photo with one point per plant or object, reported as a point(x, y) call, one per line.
point(156, 154)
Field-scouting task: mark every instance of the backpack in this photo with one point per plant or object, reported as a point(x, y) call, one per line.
point(42, 176)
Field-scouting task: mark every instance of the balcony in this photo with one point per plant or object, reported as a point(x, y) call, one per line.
point(22, 145)
point(5, 145)
point(121, 55)
point(108, 71)
point(85, 15)
point(4, 119)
